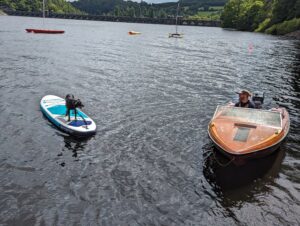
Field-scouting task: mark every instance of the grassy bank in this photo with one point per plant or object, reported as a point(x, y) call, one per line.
point(2, 13)
point(213, 13)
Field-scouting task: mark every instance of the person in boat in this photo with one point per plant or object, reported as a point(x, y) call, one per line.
point(72, 104)
point(244, 99)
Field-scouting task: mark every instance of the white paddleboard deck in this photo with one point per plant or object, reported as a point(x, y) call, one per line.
point(54, 108)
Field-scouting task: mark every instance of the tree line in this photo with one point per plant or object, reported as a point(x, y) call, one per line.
point(58, 6)
point(118, 7)
point(143, 9)
point(270, 16)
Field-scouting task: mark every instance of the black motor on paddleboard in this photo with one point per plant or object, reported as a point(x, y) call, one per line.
point(258, 99)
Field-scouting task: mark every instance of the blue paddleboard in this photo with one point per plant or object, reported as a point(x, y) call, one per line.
point(54, 108)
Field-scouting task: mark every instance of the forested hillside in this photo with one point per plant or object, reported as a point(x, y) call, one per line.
point(196, 9)
point(137, 9)
point(58, 6)
point(270, 16)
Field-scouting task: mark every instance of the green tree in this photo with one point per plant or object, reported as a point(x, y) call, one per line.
point(261, 15)
point(283, 9)
point(230, 16)
point(250, 15)
point(117, 11)
point(297, 8)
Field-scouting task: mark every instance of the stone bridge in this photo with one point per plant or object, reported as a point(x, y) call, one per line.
point(181, 21)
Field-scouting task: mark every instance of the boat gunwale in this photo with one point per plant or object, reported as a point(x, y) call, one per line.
point(252, 109)
point(287, 128)
point(242, 123)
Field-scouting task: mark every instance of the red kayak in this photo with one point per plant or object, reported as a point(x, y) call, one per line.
point(43, 31)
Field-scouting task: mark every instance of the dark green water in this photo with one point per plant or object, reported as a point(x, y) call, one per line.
point(152, 97)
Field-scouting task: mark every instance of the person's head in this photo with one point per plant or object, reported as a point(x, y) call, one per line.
point(244, 96)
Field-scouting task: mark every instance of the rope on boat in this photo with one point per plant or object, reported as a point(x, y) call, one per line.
point(221, 164)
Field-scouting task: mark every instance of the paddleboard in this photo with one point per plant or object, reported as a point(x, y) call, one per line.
point(54, 108)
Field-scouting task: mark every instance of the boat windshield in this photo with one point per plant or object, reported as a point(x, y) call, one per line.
point(255, 116)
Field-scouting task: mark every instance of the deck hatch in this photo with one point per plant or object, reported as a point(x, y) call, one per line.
point(242, 134)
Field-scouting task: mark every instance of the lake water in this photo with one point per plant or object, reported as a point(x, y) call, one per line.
point(152, 97)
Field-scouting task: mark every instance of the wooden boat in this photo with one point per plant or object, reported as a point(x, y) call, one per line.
point(245, 133)
point(134, 33)
point(44, 31)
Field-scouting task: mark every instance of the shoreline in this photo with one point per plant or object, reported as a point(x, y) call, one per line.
point(294, 34)
point(142, 20)
point(2, 13)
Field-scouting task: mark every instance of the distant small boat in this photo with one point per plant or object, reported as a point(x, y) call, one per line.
point(176, 34)
point(134, 33)
point(44, 31)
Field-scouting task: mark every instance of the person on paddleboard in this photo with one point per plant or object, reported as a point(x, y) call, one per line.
point(244, 99)
point(72, 104)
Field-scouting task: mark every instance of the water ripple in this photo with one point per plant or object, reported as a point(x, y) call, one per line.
point(151, 162)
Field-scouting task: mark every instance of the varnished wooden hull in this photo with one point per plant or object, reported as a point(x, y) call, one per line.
point(241, 159)
point(263, 149)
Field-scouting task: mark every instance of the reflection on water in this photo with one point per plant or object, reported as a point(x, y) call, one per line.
point(152, 98)
point(75, 145)
point(235, 184)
